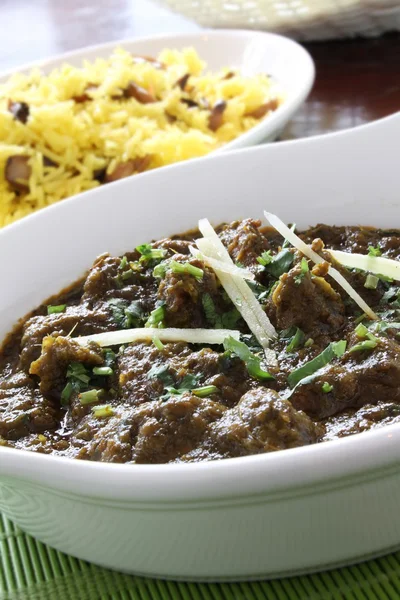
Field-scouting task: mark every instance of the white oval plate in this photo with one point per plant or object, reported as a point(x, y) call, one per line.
point(250, 51)
point(258, 516)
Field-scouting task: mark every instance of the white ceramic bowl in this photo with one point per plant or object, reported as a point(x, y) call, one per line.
point(259, 516)
point(251, 52)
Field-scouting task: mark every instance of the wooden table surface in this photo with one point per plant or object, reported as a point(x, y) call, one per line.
point(357, 80)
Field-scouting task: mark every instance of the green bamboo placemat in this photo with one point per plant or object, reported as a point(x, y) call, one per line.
point(30, 570)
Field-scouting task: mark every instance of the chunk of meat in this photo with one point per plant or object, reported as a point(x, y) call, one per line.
point(167, 430)
point(175, 246)
point(155, 432)
point(182, 295)
point(244, 241)
point(309, 303)
point(261, 422)
point(207, 366)
point(23, 410)
point(367, 417)
point(358, 378)
point(57, 354)
point(78, 319)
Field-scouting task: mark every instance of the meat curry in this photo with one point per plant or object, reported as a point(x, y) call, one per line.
point(329, 370)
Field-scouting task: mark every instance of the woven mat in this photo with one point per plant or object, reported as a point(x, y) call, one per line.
point(30, 570)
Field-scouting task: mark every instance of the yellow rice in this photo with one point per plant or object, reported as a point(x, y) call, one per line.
point(85, 137)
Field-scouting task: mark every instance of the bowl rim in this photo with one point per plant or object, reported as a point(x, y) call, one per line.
point(339, 462)
point(269, 125)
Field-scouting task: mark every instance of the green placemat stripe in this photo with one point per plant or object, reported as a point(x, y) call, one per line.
point(29, 570)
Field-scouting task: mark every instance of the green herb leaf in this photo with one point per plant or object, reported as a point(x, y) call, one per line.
point(297, 340)
point(391, 297)
point(365, 345)
point(265, 258)
point(102, 371)
point(203, 392)
point(187, 268)
point(252, 362)
point(230, 318)
point(77, 372)
point(210, 311)
point(303, 270)
point(54, 309)
point(156, 318)
point(126, 315)
point(309, 343)
point(90, 396)
point(160, 270)
point(109, 357)
point(162, 373)
point(280, 263)
point(371, 282)
point(149, 253)
point(327, 387)
point(124, 263)
point(158, 343)
point(102, 410)
point(335, 349)
point(374, 251)
point(66, 394)
point(78, 378)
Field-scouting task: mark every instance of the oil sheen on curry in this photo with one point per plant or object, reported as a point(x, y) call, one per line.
point(211, 344)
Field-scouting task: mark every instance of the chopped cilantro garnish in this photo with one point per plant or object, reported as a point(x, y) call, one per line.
point(365, 345)
point(158, 343)
point(126, 315)
point(102, 410)
point(57, 308)
point(265, 258)
point(160, 270)
point(209, 309)
point(78, 379)
point(148, 253)
point(303, 270)
point(203, 392)
point(360, 318)
point(109, 357)
point(370, 341)
point(226, 320)
point(335, 349)
point(252, 362)
point(124, 263)
point(66, 393)
point(102, 371)
point(371, 282)
point(297, 340)
point(78, 372)
point(327, 387)
point(374, 251)
point(90, 396)
point(187, 268)
point(391, 297)
point(162, 373)
point(156, 318)
point(280, 263)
